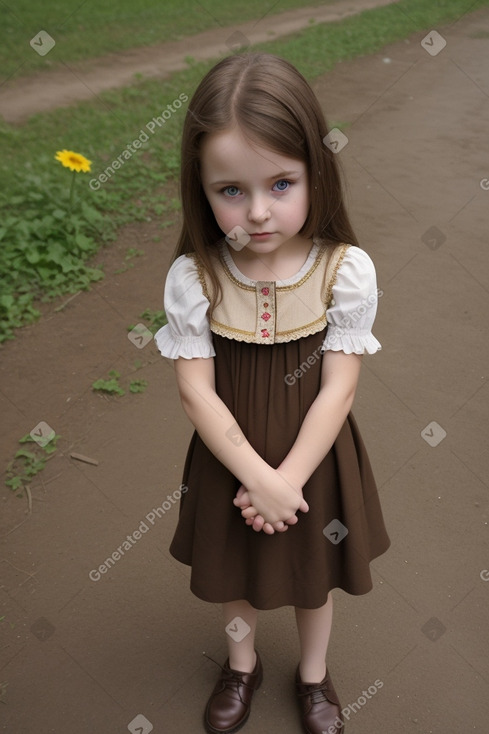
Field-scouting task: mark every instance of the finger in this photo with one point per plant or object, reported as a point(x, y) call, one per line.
point(304, 507)
point(242, 498)
point(268, 529)
point(280, 527)
point(249, 512)
point(258, 523)
point(292, 520)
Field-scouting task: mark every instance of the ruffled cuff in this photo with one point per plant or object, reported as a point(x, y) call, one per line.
point(351, 342)
point(173, 346)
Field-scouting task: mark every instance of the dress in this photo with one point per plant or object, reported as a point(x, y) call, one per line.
point(269, 386)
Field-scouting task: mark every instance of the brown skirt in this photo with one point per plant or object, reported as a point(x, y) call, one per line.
point(331, 545)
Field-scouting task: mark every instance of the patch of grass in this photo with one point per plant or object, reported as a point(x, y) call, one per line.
point(138, 385)
point(83, 30)
point(110, 386)
point(155, 320)
point(43, 252)
point(27, 463)
point(44, 247)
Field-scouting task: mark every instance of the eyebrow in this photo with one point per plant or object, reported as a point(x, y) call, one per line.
point(281, 174)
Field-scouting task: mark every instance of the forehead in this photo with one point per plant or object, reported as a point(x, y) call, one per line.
point(230, 154)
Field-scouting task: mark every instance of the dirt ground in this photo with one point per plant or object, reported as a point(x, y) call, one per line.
point(124, 651)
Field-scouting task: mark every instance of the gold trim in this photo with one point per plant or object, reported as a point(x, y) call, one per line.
point(244, 286)
point(201, 275)
point(332, 280)
point(321, 251)
point(321, 320)
point(221, 326)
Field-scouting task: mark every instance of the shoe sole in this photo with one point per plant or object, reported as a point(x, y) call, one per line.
point(210, 729)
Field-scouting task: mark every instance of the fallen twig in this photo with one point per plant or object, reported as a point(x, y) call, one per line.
point(85, 459)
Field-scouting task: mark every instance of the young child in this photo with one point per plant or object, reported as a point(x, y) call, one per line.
point(270, 304)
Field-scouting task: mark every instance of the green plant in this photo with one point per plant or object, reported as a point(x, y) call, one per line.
point(44, 248)
point(138, 385)
point(155, 319)
point(28, 462)
point(110, 386)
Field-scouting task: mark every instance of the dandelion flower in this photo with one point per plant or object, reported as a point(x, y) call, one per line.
point(73, 161)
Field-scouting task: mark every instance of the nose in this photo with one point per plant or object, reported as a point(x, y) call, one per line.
point(259, 210)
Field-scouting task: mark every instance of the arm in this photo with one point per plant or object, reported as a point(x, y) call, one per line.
point(323, 422)
point(272, 494)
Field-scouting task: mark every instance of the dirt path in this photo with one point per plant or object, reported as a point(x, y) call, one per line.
point(80, 81)
point(107, 654)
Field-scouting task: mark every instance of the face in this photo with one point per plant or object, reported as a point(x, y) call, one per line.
point(259, 198)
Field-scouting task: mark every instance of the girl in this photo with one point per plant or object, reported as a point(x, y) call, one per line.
point(270, 304)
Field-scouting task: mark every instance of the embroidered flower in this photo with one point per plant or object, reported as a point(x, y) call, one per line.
point(265, 316)
point(265, 291)
point(265, 305)
point(265, 333)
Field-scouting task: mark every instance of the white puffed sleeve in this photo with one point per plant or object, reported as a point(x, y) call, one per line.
point(354, 306)
point(187, 333)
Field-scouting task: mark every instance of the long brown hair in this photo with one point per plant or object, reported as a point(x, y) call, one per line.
point(275, 108)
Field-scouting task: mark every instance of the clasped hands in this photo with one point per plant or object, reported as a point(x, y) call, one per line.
point(273, 507)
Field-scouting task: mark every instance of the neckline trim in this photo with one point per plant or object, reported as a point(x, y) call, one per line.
point(236, 273)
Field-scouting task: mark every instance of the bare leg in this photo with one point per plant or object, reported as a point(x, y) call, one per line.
point(314, 628)
point(242, 655)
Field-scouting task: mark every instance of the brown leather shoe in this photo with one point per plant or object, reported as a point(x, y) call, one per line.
point(320, 707)
point(229, 705)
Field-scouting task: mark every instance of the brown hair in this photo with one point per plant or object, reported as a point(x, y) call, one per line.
point(274, 107)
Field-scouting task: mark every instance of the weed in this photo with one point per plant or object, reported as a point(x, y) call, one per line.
point(28, 462)
point(110, 386)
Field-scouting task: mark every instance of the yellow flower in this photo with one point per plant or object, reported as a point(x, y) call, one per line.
point(73, 161)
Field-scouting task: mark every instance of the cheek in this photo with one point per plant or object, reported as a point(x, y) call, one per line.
point(227, 217)
point(298, 209)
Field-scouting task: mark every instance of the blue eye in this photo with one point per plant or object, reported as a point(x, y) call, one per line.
point(231, 191)
point(282, 185)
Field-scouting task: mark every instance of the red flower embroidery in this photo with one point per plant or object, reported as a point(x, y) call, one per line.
point(265, 316)
point(265, 291)
point(265, 333)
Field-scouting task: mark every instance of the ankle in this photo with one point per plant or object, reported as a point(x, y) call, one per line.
point(312, 673)
point(243, 664)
